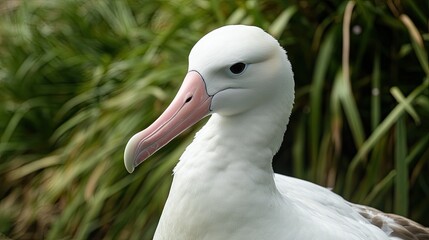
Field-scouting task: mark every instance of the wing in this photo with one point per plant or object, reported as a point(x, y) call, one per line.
point(353, 216)
point(394, 225)
point(327, 210)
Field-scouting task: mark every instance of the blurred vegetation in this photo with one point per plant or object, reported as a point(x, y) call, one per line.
point(79, 77)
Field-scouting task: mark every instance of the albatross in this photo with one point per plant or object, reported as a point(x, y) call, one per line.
point(224, 186)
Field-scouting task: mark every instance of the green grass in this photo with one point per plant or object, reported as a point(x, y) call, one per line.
point(79, 78)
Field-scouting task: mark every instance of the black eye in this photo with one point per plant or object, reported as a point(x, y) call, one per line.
point(237, 68)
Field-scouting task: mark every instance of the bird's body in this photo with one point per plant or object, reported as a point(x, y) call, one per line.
point(216, 196)
point(224, 186)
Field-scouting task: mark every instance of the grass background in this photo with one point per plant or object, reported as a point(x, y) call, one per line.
point(79, 77)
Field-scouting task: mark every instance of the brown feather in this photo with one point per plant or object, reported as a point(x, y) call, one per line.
point(394, 225)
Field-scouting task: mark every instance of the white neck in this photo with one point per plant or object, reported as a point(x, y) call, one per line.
point(218, 162)
point(246, 141)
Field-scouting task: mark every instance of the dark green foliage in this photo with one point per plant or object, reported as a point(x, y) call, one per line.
point(78, 78)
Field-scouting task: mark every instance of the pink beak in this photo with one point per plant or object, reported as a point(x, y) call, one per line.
point(191, 104)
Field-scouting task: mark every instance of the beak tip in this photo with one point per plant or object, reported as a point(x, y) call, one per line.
point(129, 165)
point(129, 157)
point(130, 169)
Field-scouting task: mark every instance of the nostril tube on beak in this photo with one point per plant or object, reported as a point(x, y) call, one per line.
point(188, 99)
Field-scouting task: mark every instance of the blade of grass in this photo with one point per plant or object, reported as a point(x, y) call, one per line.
point(420, 12)
point(349, 104)
point(397, 94)
point(401, 167)
point(298, 149)
point(384, 126)
point(322, 63)
point(376, 164)
point(215, 6)
point(417, 149)
point(381, 188)
point(417, 42)
point(279, 24)
point(375, 92)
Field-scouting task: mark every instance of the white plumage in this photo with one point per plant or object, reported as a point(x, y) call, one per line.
point(224, 186)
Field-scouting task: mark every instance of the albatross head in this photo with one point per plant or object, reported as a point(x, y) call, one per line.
point(232, 70)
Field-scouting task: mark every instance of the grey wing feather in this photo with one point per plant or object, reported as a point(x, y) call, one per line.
point(395, 226)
